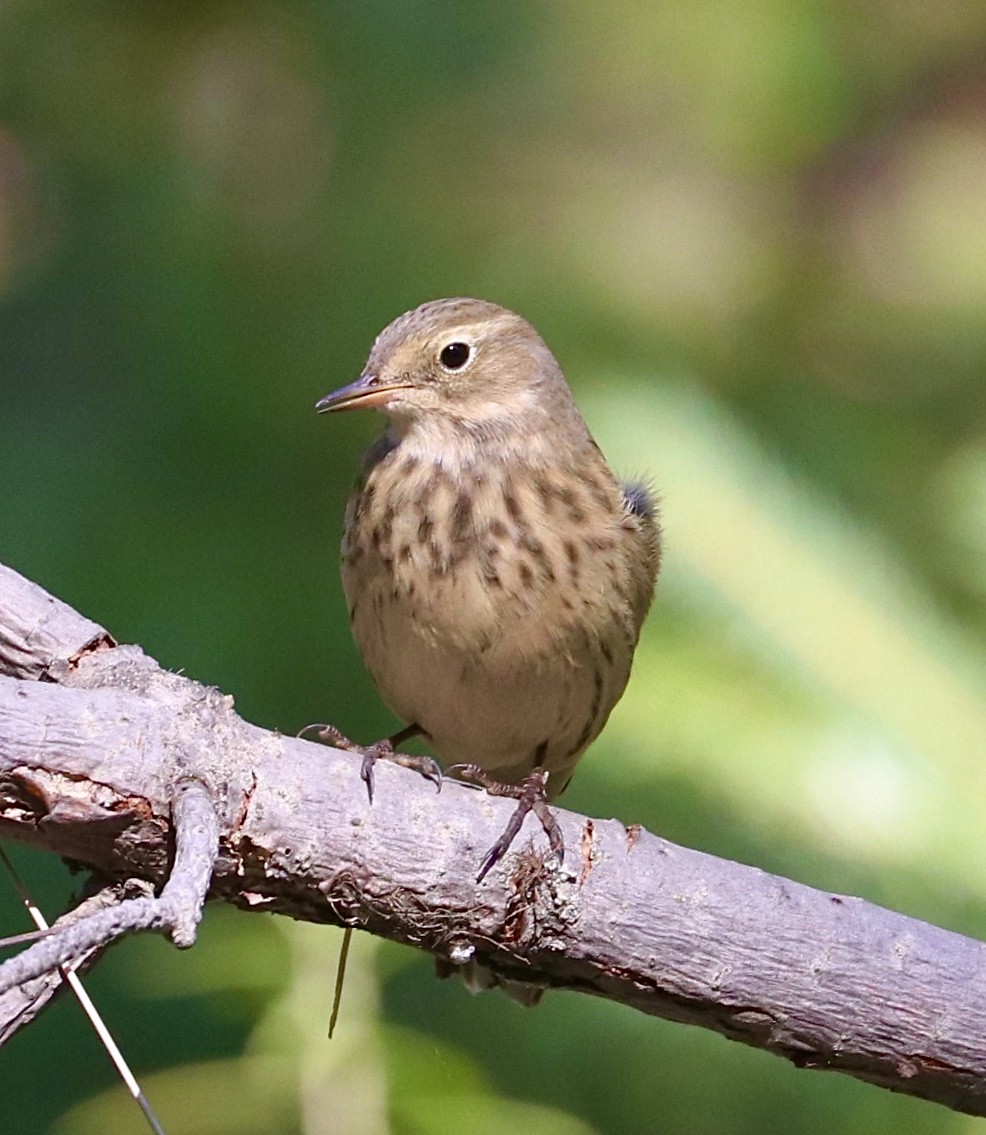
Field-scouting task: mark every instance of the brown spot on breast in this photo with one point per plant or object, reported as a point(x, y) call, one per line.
point(546, 492)
point(439, 560)
point(425, 528)
point(541, 557)
point(574, 558)
point(512, 507)
point(576, 513)
point(424, 494)
point(498, 529)
point(600, 543)
point(404, 554)
point(381, 534)
point(461, 521)
point(526, 573)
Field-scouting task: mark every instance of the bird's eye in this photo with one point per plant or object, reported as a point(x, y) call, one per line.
point(454, 356)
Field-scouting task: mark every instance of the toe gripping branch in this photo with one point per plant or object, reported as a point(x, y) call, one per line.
point(176, 912)
point(530, 793)
point(380, 750)
point(531, 796)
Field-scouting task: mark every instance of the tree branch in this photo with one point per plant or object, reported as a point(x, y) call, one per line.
point(178, 910)
point(95, 740)
point(20, 1004)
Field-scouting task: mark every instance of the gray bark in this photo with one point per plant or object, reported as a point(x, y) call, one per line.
point(95, 741)
point(23, 1001)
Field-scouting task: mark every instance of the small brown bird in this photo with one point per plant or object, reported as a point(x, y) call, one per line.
point(496, 571)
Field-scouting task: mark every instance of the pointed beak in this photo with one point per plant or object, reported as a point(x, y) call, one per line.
point(367, 391)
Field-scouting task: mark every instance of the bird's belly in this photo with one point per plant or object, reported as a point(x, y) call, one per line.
point(492, 681)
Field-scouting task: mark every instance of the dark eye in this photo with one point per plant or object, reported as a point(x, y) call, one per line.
point(454, 356)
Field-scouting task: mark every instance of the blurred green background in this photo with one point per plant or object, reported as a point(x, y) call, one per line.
point(755, 236)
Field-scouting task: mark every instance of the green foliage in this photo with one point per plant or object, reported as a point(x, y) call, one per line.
point(753, 235)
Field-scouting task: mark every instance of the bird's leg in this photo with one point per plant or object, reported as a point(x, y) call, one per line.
point(385, 749)
point(530, 796)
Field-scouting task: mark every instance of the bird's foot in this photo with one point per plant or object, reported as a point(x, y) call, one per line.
point(531, 796)
point(379, 750)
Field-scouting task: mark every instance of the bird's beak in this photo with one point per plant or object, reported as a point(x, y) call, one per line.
point(369, 390)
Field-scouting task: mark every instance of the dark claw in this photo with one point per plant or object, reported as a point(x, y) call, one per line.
point(499, 849)
point(427, 766)
point(372, 754)
point(432, 770)
point(530, 796)
point(366, 772)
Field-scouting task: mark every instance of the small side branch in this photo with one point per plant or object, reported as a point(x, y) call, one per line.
point(196, 847)
point(177, 911)
point(22, 1003)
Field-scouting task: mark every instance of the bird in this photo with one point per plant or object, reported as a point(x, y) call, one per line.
point(496, 571)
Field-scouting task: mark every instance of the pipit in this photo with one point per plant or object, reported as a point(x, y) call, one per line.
point(497, 573)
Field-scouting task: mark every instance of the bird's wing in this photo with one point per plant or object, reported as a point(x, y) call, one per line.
point(642, 521)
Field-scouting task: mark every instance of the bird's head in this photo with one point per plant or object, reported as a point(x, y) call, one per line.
point(460, 363)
